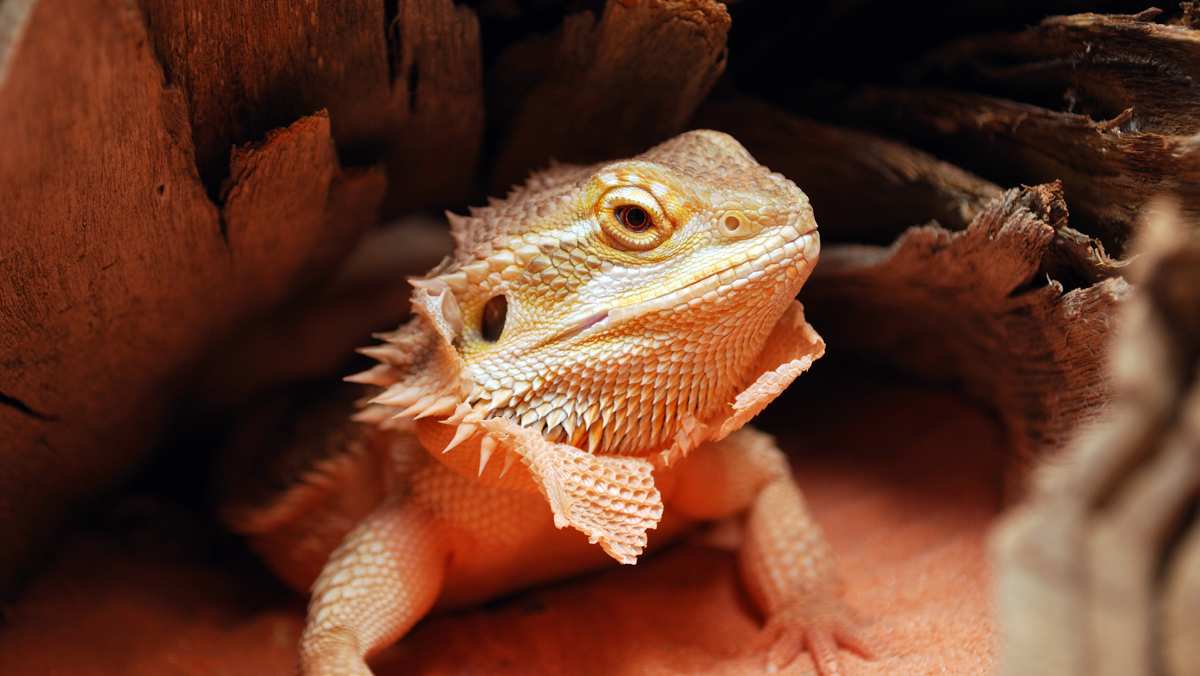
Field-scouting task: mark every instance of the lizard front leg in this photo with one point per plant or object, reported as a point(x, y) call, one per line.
point(378, 583)
point(786, 565)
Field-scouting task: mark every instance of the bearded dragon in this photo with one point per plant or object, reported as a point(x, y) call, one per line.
point(577, 373)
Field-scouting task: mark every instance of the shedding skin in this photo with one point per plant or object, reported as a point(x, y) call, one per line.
point(592, 414)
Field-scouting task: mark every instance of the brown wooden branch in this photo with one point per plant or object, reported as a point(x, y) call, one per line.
point(1108, 173)
point(1096, 572)
point(1090, 64)
point(607, 87)
point(405, 89)
point(118, 271)
point(1120, 95)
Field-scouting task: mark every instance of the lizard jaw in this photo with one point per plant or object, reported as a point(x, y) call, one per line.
point(795, 252)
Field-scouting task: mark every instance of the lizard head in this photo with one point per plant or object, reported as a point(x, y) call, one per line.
point(604, 306)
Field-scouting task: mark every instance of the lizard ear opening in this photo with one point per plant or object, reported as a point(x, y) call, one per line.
point(495, 312)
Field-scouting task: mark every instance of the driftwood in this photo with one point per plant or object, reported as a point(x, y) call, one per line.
point(407, 96)
point(976, 308)
point(1122, 131)
point(606, 87)
point(94, 349)
point(1097, 572)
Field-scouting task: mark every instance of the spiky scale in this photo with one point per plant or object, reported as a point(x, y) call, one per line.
point(461, 434)
point(459, 414)
point(595, 433)
point(555, 417)
point(419, 406)
point(487, 445)
point(500, 398)
point(509, 459)
point(379, 375)
point(442, 406)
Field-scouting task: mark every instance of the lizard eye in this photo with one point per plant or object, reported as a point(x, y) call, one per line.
point(632, 219)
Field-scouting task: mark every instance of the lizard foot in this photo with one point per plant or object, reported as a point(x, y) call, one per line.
point(822, 625)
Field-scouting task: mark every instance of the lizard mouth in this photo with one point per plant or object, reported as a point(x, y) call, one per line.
point(785, 253)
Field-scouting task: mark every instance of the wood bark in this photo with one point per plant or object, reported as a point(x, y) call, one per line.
point(606, 87)
point(118, 269)
point(1103, 103)
point(1080, 566)
point(402, 81)
point(975, 309)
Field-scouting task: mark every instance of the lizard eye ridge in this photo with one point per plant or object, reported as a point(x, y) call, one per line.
point(632, 219)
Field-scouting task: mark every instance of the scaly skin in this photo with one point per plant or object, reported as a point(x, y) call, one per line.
point(649, 315)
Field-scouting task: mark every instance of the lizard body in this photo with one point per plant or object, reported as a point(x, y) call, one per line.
point(596, 342)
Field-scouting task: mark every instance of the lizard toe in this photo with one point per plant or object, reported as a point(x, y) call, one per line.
point(822, 626)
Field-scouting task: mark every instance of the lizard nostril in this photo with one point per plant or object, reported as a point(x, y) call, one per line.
point(494, 314)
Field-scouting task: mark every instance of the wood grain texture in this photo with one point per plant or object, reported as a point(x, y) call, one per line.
point(1104, 103)
point(1091, 64)
point(606, 87)
point(439, 105)
point(246, 68)
point(118, 270)
point(1096, 571)
point(402, 81)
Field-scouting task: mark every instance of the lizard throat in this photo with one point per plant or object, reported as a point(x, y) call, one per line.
point(792, 253)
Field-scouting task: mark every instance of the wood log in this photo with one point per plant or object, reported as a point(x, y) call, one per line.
point(608, 87)
point(402, 81)
point(1080, 566)
point(974, 308)
point(1123, 92)
point(118, 271)
point(437, 129)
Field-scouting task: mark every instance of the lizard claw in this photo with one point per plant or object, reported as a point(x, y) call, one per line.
point(822, 626)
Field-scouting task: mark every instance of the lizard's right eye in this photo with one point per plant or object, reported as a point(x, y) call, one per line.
point(633, 219)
